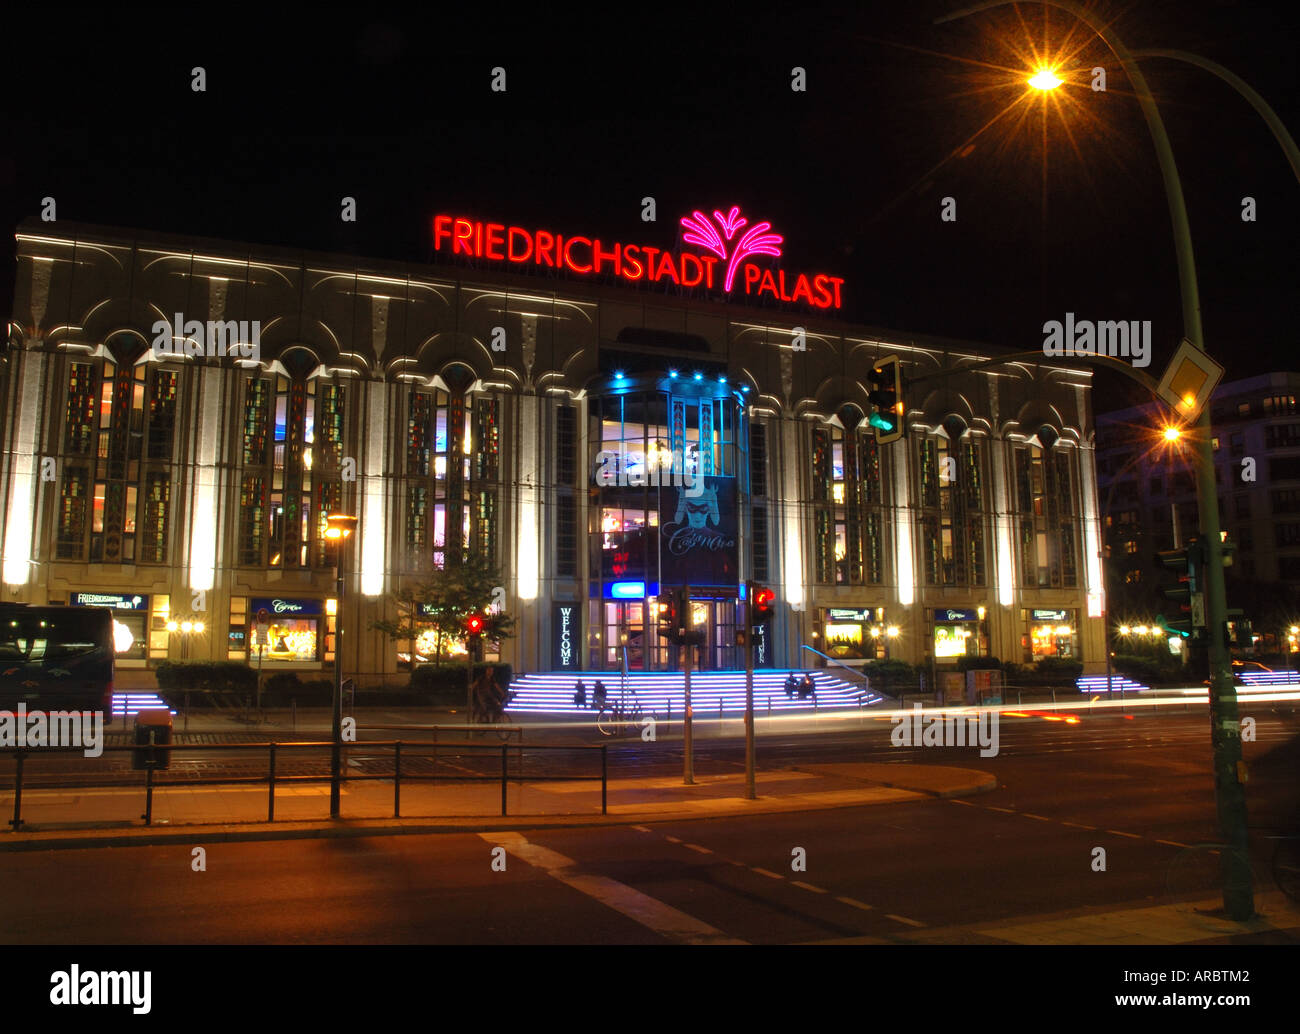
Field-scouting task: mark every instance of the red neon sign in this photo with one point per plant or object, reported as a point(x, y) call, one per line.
point(637, 263)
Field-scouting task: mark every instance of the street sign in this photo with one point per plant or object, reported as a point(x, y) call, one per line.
point(1198, 609)
point(1189, 380)
point(260, 636)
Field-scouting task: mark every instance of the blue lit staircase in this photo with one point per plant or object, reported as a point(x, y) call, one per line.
point(662, 693)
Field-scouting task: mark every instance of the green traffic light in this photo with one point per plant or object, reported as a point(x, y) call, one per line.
point(878, 421)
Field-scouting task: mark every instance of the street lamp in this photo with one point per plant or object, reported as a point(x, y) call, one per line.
point(1044, 79)
point(1225, 726)
point(337, 529)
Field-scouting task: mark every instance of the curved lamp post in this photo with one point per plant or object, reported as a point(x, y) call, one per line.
point(1225, 729)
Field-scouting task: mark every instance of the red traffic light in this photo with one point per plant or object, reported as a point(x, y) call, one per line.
point(474, 624)
point(764, 604)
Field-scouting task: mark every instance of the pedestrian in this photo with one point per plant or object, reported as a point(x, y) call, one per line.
point(806, 687)
point(598, 695)
point(791, 686)
point(580, 694)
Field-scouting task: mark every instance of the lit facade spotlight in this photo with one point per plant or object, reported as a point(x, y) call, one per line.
point(892, 631)
point(1124, 630)
point(1044, 79)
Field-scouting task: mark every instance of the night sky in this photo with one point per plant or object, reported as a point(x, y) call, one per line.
point(1060, 205)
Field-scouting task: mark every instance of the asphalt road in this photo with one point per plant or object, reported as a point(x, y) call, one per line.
point(935, 870)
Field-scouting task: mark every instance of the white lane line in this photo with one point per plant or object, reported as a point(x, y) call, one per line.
point(1040, 818)
point(1171, 843)
point(765, 872)
point(809, 886)
point(953, 800)
point(903, 919)
point(1009, 811)
point(649, 912)
point(1131, 836)
point(1077, 825)
point(642, 829)
point(697, 847)
point(855, 903)
point(671, 840)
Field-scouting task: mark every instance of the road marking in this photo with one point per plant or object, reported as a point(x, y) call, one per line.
point(1040, 818)
point(697, 847)
point(1009, 811)
point(671, 840)
point(1076, 825)
point(642, 829)
point(903, 919)
point(855, 903)
point(809, 886)
point(649, 912)
point(1171, 843)
point(771, 875)
point(1131, 836)
point(967, 803)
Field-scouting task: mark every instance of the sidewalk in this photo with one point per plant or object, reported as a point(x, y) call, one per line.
point(112, 816)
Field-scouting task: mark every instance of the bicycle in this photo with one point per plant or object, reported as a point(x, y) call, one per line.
point(620, 717)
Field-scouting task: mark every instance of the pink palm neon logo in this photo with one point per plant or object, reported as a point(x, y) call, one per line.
point(701, 231)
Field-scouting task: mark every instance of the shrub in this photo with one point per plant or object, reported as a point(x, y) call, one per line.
point(1057, 671)
point(969, 663)
point(445, 684)
point(210, 676)
point(890, 677)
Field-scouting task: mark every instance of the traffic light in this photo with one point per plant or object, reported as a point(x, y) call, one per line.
point(1189, 593)
point(474, 624)
point(669, 618)
point(762, 604)
point(886, 395)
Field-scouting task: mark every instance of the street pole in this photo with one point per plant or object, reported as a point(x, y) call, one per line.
point(688, 743)
point(336, 738)
point(1225, 724)
point(750, 792)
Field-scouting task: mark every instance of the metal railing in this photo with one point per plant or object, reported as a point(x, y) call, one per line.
point(854, 673)
point(400, 749)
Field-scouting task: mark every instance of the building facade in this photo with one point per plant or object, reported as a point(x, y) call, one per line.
point(598, 442)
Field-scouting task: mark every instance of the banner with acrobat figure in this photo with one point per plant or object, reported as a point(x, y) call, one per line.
point(698, 546)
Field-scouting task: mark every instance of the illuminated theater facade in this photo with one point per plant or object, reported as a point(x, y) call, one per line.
point(586, 414)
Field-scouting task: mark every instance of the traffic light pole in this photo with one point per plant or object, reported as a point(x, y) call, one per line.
point(688, 743)
point(750, 792)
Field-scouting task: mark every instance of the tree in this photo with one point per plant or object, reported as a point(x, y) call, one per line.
point(442, 602)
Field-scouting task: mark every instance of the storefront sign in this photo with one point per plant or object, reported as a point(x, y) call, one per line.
point(723, 264)
point(117, 601)
point(291, 608)
point(841, 614)
point(1051, 615)
point(566, 635)
point(956, 615)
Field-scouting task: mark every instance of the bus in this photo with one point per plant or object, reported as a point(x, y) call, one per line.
point(56, 658)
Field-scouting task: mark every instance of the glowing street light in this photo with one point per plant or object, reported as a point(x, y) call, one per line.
point(338, 527)
point(1172, 434)
point(1044, 79)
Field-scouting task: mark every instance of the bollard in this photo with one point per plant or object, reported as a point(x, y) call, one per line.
point(604, 780)
point(148, 795)
point(397, 780)
point(17, 820)
point(270, 788)
point(504, 755)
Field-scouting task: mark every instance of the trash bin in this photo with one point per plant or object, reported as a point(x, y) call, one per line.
point(152, 727)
